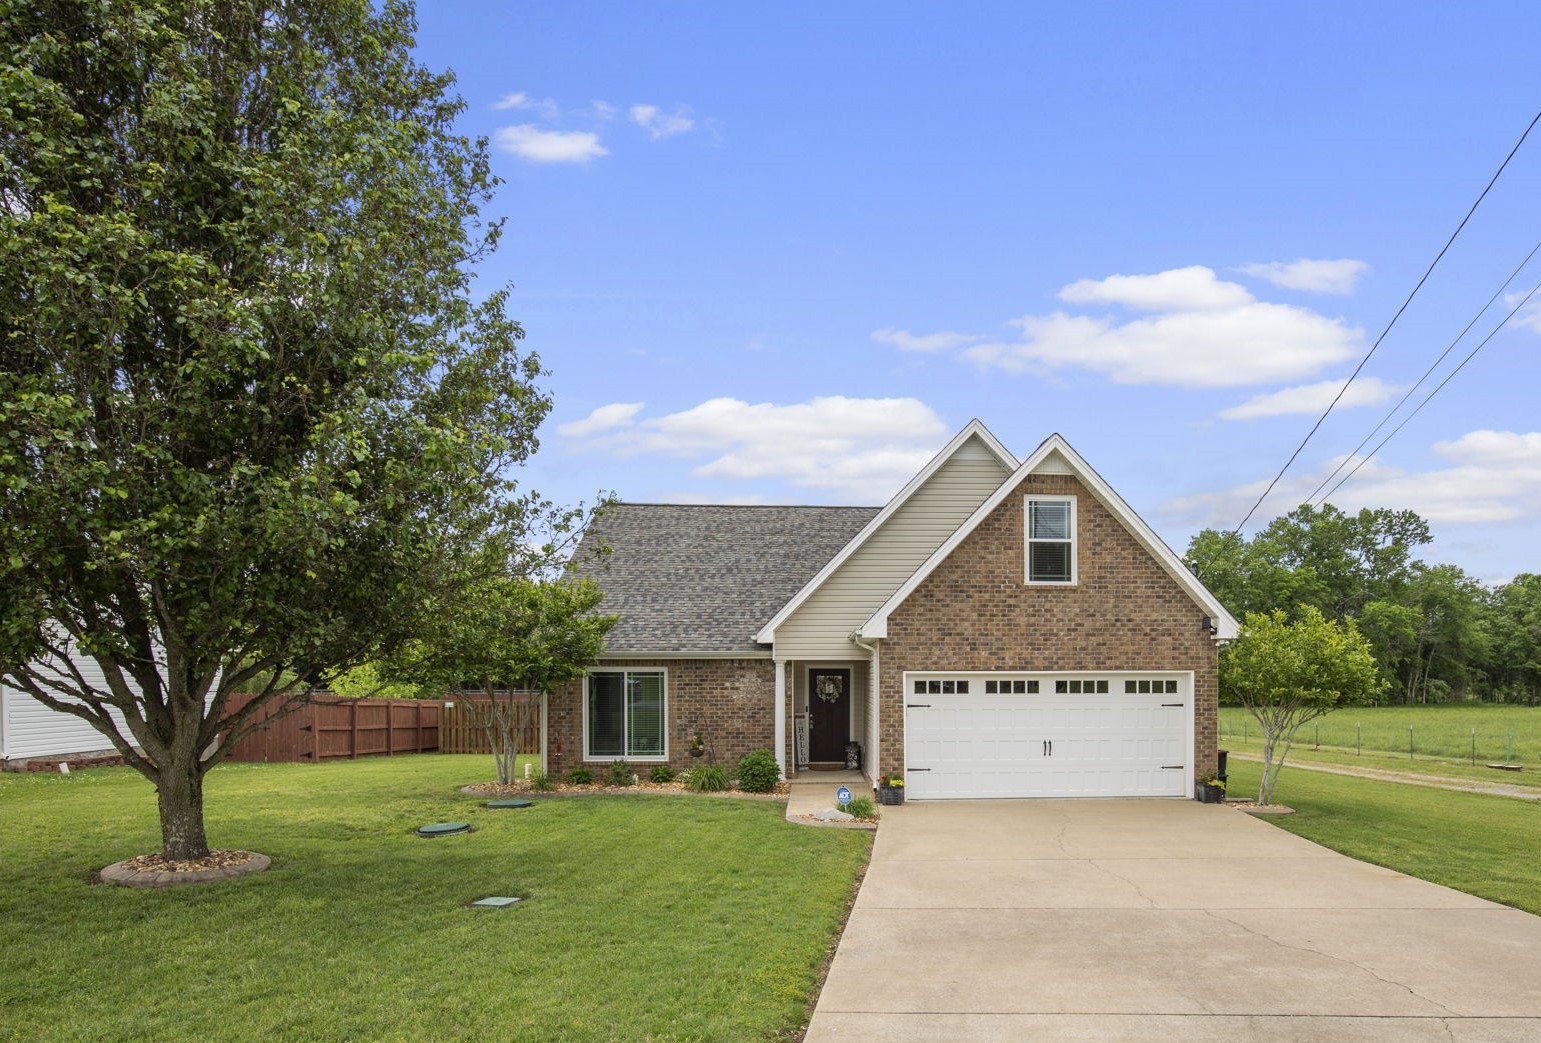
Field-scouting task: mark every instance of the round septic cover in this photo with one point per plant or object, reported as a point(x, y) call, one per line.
point(443, 829)
point(508, 803)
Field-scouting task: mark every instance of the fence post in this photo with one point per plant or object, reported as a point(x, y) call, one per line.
point(1409, 742)
point(1474, 747)
point(1358, 744)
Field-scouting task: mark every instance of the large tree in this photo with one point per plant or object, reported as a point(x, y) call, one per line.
point(1289, 673)
point(254, 423)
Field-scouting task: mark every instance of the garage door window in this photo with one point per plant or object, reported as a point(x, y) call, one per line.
point(941, 687)
point(1156, 687)
point(1051, 556)
point(1011, 687)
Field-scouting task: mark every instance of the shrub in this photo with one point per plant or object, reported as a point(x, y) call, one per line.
point(861, 807)
point(661, 773)
point(542, 781)
point(581, 777)
point(758, 772)
point(708, 778)
point(619, 774)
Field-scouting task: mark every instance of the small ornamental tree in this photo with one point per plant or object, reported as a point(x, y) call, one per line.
point(1288, 673)
point(503, 636)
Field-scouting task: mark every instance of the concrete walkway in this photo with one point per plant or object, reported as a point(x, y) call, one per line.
point(814, 791)
point(1161, 920)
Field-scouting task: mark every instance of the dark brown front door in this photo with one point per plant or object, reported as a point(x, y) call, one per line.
point(829, 714)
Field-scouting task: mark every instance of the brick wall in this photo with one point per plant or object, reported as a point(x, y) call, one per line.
point(731, 702)
point(974, 612)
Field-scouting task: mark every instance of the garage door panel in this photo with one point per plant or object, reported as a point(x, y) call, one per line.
point(1114, 741)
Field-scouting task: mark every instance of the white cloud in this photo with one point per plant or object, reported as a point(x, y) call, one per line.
point(549, 146)
point(660, 124)
point(546, 108)
point(1194, 288)
point(1313, 398)
point(1493, 476)
point(1529, 316)
point(605, 418)
point(603, 110)
point(1339, 276)
point(1205, 333)
point(860, 449)
point(907, 341)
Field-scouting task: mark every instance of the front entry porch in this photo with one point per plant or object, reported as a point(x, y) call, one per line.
point(829, 706)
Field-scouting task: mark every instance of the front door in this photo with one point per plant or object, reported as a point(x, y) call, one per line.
point(829, 715)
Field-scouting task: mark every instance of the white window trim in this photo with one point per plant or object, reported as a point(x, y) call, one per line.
point(1028, 541)
point(588, 755)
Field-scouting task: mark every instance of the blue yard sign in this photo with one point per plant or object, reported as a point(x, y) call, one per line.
point(842, 796)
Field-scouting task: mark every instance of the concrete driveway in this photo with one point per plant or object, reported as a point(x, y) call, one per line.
point(1148, 920)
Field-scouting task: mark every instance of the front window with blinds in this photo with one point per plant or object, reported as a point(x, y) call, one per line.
point(625, 715)
point(1051, 554)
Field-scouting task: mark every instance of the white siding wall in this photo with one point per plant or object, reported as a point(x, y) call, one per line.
point(821, 626)
point(30, 729)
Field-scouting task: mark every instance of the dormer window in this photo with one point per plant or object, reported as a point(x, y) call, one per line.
point(1051, 556)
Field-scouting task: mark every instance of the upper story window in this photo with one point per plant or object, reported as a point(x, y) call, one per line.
point(1051, 544)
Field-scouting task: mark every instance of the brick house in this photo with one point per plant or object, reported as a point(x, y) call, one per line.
point(1001, 628)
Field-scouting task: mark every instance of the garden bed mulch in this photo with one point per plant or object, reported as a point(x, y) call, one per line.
point(1254, 808)
point(521, 788)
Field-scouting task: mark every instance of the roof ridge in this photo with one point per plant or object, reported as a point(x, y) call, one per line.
point(752, 506)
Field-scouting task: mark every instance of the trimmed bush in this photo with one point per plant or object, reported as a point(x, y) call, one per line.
point(708, 778)
point(661, 773)
point(758, 772)
point(581, 777)
point(620, 774)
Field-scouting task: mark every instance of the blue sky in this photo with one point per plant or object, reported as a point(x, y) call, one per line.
point(781, 253)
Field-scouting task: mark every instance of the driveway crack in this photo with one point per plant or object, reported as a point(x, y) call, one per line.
point(1147, 899)
point(1340, 959)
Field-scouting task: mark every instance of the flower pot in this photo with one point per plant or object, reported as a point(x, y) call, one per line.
point(696, 751)
point(1208, 794)
point(890, 794)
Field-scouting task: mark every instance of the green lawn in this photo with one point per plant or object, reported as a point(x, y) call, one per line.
point(647, 917)
point(1479, 844)
point(1442, 737)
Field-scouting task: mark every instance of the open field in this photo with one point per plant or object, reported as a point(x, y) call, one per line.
point(647, 917)
point(1483, 845)
point(1442, 739)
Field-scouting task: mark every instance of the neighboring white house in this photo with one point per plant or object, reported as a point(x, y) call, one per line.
point(29, 730)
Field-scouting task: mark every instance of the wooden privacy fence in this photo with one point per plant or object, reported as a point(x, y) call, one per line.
point(461, 730)
point(332, 728)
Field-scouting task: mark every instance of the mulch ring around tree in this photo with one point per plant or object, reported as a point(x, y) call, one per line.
point(158, 871)
point(521, 788)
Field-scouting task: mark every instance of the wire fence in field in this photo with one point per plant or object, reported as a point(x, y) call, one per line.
point(1508, 735)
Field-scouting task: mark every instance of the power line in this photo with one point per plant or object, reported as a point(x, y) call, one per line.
point(1427, 399)
point(1432, 367)
point(1429, 271)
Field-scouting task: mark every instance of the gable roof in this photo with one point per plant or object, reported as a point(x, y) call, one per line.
point(974, 429)
point(705, 578)
point(1055, 454)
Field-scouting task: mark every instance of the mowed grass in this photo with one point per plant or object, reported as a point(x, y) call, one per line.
point(1442, 739)
point(1483, 845)
point(646, 917)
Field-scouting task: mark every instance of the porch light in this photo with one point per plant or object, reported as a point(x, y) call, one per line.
point(1207, 625)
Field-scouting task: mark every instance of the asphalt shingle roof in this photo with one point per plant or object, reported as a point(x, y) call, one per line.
point(694, 578)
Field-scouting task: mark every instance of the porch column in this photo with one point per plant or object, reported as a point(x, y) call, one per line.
point(781, 716)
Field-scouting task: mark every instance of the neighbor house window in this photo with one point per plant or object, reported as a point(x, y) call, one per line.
point(1051, 539)
point(624, 717)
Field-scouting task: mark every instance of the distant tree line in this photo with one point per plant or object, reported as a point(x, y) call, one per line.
point(1437, 633)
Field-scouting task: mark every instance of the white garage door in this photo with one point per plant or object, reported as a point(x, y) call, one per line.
point(1048, 735)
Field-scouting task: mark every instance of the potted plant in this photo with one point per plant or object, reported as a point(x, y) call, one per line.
point(697, 745)
point(1211, 789)
point(891, 789)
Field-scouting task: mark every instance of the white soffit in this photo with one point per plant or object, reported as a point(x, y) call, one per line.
point(1055, 456)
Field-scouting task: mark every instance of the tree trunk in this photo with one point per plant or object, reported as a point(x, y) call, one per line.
point(179, 791)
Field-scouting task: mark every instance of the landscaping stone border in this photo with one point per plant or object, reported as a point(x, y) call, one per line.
point(119, 873)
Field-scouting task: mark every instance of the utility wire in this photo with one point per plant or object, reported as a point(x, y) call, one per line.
point(1470, 355)
point(1429, 271)
point(1432, 367)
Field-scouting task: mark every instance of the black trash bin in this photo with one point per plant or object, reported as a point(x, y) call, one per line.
point(1220, 764)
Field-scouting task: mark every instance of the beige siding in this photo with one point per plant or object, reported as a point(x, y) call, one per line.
point(821, 626)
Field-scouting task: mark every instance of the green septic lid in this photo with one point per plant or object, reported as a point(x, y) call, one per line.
point(443, 829)
point(508, 804)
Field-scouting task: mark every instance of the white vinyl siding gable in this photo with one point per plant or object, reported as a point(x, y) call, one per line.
point(30, 729)
point(822, 625)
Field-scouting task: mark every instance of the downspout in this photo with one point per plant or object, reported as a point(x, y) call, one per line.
point(873, 717)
